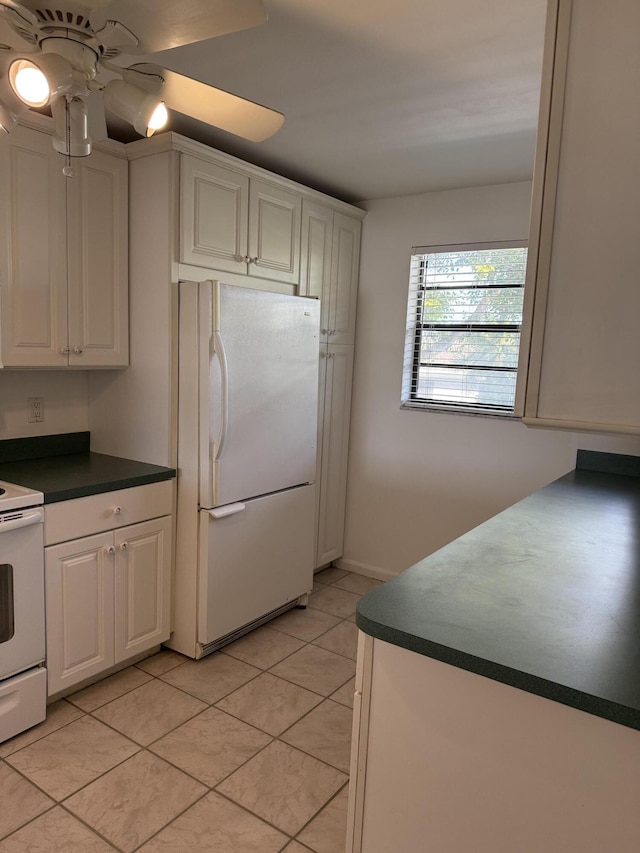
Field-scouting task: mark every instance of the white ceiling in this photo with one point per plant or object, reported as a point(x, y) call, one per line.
point(383, 97)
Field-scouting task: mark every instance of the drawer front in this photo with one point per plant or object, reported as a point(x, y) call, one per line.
point(94, 514)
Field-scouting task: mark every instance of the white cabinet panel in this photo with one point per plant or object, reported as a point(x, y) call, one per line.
point(33, 256)
point(98, 263)
point(142, 586)
point(238, 224)
point(345, 262)
point(214, 216)
point(274, 232)
point(330, 258)
point(315, 257)
point(108, 596)
point(581, 287)
point(96, 513)
point(336, 377)
point(64, 256)
point(79, 608)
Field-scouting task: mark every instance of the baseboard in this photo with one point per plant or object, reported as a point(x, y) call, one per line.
point(364, 569)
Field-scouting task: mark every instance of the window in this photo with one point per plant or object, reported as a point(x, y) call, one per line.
point(463, 327)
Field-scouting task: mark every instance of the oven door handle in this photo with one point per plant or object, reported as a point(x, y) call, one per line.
point(24, 519)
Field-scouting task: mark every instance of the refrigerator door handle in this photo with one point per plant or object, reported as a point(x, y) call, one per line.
point(224, 511)
point(224, 395)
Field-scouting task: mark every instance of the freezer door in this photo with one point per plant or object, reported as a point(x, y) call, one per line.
point(255, 556)
point(258, 392)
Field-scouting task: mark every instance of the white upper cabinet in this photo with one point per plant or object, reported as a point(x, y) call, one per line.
point(345, 263)
point(582, 290)
point(214, 216)
point(97, 216)
point(238, 224)
point(330, 259)
point(63, 256)
point(33, 253)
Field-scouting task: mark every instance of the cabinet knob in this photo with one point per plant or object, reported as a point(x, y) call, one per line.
point(245, 258)
point(64, 350)
point(78, 350)
point(123, 546)
point(323, 331)
point(117, 510)
point(110, 549)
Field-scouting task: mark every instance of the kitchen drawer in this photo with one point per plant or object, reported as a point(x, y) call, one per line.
point(107, 511)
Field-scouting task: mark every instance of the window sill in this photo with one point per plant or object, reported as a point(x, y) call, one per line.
point(447, 410)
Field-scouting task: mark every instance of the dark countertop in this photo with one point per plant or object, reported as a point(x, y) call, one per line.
point(66, 474)
point(544, 597)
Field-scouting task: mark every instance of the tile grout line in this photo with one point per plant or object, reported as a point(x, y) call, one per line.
point(82, 712)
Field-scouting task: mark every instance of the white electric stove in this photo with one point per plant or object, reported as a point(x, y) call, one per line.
point(23, 678)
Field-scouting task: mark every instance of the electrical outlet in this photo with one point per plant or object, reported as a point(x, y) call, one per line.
point(35, 410)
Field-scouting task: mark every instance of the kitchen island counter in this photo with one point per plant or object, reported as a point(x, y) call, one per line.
point(497, 698)
point(544, 597)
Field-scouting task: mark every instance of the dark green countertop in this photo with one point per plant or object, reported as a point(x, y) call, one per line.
point(544, 597)
point(65, 475)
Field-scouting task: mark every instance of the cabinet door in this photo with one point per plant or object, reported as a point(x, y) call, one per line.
point(142, 586)
point(214, 212)
point(315, 257)
point(334, 438)
point(345, 262)
point(98, 262)
point(274, 232)
point(33, 252)
point(79, 608)
point(582, 284)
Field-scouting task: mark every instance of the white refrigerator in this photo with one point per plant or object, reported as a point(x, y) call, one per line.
point(247, 432)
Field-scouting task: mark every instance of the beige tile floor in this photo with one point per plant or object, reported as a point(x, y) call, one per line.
point(245, 751)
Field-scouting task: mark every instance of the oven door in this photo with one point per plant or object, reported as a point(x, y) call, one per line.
point(22, 642)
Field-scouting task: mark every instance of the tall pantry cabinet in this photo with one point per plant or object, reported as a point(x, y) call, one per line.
point(198, 214)
point(329, 272)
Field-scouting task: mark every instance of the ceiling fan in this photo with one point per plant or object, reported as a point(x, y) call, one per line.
point(76, 61)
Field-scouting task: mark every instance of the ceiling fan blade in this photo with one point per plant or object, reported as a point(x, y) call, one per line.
point(215, 106)
point(165, 24)
point(19, 18)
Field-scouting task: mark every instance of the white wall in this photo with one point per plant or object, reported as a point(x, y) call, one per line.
point(65, 402)
point(419, 479)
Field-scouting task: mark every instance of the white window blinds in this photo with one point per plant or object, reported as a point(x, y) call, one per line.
point(464, 316)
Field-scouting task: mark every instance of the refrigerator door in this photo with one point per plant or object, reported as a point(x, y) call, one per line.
point(258, 384)
point(254, 558)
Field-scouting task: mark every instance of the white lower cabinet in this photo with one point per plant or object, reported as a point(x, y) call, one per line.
point(107, 598)
point(79, 608)
point(449, 761)
point(142, 586)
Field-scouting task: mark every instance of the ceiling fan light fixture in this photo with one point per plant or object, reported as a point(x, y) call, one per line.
point(37, 83)
point(71, 127)
point(159, 118)
point(144, 111)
